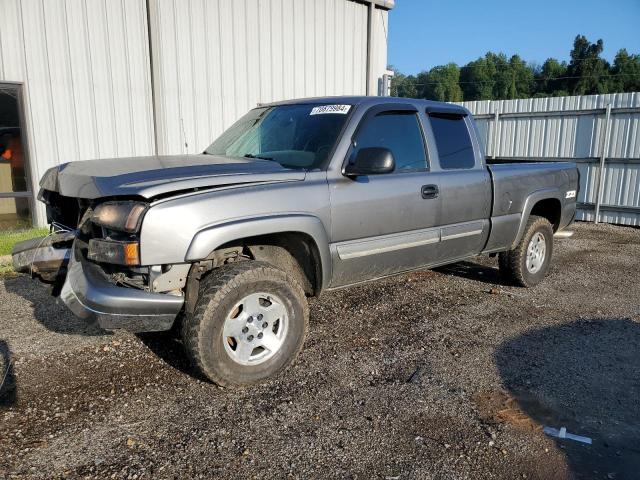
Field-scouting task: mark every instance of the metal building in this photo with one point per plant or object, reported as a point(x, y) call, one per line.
point(90, 79)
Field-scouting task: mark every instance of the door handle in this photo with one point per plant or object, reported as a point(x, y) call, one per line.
point(429, 191)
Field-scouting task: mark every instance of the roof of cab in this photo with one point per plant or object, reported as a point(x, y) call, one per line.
point(428, 105)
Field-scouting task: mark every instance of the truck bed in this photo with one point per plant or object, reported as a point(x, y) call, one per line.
point(513, 182)
point(517, 189)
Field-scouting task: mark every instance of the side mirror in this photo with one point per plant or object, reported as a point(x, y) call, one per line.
point(371, 161)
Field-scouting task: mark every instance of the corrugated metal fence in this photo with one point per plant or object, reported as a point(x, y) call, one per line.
point(601, 133)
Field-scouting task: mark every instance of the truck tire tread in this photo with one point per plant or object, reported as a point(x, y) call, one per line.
point(512, 262)
point(214, 288)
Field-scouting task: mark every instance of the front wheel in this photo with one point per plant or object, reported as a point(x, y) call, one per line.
point(528, 263)
point(249, 323)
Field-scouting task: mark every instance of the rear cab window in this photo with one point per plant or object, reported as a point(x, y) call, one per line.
point(398, 131)
point(453, 141)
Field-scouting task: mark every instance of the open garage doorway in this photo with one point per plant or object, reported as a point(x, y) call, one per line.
point(15, 194)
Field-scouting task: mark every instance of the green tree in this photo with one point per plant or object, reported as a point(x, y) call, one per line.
point(550, 78)
point(403, 85)
point(502, 87)
point(625, 72)
point(442, 83)
point(496, 77)
point(477, 79)
point(523, 83)
point(588, 71)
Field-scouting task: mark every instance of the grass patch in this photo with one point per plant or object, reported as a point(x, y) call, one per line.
point(9, 238)
point(6, 270)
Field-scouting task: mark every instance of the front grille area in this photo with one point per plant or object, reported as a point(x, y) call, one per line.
point(64, 212)
point(67, 213)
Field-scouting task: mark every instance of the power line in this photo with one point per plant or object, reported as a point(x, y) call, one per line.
point(421, 84)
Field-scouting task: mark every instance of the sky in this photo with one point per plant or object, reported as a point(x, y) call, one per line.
point(426, 33)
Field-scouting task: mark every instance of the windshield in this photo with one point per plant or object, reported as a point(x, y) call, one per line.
point(295, 136)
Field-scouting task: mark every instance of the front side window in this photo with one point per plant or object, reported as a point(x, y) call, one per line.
point(452, 141)
point(295, 136)
point(398, 132)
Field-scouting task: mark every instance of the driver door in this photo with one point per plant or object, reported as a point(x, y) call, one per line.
point(387, 223)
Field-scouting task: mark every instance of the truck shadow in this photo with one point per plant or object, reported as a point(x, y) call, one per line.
point(582, 376)
point(474, 271)
point(168, 347)
point(8, 388)
point(47, 311)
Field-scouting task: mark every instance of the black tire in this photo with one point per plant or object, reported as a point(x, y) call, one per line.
point(220, 292)
point(513, 263)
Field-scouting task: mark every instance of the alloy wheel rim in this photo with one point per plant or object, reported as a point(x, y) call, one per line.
point(255, 328)
point(536, 252)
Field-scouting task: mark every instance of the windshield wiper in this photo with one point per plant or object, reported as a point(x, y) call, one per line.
point(251, 155)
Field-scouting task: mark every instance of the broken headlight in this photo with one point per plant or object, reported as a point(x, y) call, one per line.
point(125, 216)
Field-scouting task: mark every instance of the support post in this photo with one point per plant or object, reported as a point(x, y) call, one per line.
point(495, 141)
point(152, 75)
point(369, 87)
point(603, 156)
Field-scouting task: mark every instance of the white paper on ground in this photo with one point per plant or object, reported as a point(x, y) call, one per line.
point(562, 433)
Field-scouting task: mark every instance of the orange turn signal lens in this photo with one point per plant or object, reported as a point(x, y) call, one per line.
point(131, 253)
point(112, 251)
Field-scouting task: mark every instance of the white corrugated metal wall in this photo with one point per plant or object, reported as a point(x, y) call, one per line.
point(215, 59)
point(89, 81)
point(573, 128)
point(84, 69)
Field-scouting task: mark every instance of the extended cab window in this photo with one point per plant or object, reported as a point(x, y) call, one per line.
point(399, 132)
point(452, 140)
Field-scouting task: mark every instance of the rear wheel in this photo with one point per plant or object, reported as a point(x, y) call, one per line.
point(249, 323)
point(527, 264)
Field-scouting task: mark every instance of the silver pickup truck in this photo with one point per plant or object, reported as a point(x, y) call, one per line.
point(295, 198)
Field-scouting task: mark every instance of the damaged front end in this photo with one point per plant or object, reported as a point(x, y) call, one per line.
point(44, 257)
point(92, 258)
point(47, 258)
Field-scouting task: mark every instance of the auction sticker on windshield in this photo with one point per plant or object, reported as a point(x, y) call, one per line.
point(341, 109)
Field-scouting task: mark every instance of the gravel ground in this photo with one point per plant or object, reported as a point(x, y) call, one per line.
point(436, 374)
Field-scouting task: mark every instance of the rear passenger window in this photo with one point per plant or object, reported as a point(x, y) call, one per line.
point(452, 140)
point(399, 132)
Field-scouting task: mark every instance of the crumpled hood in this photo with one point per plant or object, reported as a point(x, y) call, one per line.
point(157, 175)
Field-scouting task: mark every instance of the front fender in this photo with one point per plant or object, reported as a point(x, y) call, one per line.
point(530, 201)
point(210, 238)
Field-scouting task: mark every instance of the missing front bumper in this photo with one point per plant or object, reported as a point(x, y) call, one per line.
point(89, 294)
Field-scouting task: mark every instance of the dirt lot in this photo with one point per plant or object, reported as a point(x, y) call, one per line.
point(445, 374)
